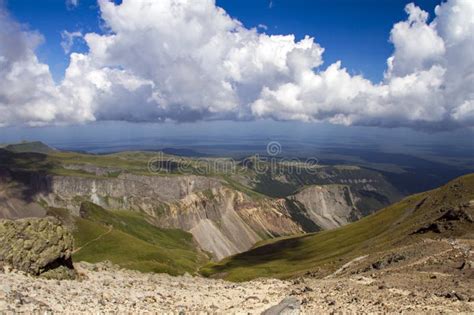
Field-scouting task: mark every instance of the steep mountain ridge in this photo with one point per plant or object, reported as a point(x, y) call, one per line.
point(418, 220)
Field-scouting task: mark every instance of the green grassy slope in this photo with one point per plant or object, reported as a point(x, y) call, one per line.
point(32, 147)
point(128, 240)
point(329, 250)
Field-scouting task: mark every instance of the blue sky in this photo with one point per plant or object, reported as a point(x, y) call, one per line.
point(355, 32)
point(206, 70)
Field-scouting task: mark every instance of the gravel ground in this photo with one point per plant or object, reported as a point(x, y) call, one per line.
point(104, 288)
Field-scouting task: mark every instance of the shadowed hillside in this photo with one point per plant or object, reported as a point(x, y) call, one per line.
point(32, 147)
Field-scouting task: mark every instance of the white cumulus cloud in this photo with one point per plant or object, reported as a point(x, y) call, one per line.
point(187, 60)
point(27, 90)
point(68, 39)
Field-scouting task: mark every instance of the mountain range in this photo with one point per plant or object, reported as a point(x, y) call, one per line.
point(239, 220)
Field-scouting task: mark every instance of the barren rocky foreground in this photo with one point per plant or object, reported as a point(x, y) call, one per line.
point(390, 286)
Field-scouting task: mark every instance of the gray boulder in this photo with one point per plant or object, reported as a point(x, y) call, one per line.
point(37, 246)
point(288, 306)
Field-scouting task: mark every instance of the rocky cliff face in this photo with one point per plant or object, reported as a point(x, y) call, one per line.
point(127, 191)
point(328, 206)
point(225, 222)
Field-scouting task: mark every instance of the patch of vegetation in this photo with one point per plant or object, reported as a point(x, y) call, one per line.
point(239, 187)
point(114, 174)
point(208, 194)
point(371, 200)
point(130, 241)
point(160, 209)
point(267, 185)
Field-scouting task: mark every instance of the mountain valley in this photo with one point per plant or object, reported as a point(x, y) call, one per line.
point(227, 206)
point(337, 238)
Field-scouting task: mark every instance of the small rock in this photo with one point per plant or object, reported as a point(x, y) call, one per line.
point(307, 289)
point(5, 288)
point(378, 265)
point(288, 306)
point(460, 296)
point(252, 298)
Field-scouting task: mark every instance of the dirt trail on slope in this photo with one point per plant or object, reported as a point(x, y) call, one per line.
point(94, 240)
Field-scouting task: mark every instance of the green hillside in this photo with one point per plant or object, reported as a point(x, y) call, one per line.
point(407, 221)
point(128, 240)
point(31, 147)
